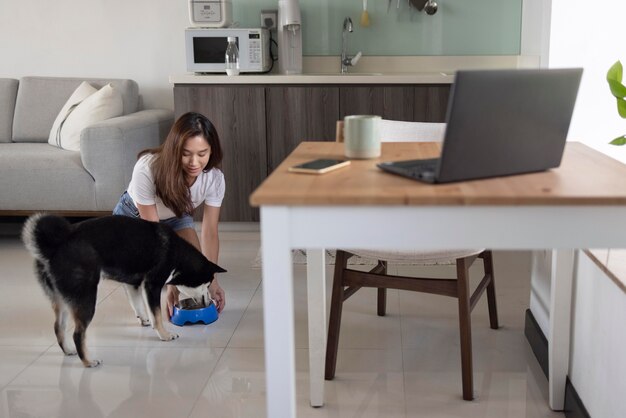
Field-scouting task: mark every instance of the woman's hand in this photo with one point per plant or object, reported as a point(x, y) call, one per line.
point(217, 294)
point(171, 298)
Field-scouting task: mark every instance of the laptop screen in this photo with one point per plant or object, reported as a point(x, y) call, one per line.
point(502, 122)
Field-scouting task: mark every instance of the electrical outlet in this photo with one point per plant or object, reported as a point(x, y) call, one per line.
point(269, 19)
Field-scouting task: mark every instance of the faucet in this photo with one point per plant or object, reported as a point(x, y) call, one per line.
point(346, 60)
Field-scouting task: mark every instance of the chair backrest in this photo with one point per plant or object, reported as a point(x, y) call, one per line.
point(401, 131)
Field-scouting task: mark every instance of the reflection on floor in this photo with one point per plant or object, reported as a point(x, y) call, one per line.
point(403, 365)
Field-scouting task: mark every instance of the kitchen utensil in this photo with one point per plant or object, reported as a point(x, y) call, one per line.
point(365, 17)
point(431, 7)
point(418, 4)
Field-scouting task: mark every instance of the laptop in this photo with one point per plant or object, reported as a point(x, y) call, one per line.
point(499, 123)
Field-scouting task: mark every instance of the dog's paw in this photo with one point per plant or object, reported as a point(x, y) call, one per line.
point(168, 336)
point(92, 363)
point(69, 352)
point(144, 322)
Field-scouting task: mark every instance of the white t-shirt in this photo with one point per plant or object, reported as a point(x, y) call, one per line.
point(209, 188)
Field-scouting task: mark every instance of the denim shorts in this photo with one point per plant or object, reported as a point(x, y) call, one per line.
point(126, 207)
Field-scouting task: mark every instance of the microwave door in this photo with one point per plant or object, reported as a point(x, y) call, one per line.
point(205, 49)
point(209, 50)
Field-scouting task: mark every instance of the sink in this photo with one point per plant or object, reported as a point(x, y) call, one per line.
point(396, 74)
point(341, 74)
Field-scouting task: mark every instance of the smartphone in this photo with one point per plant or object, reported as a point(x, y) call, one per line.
point(319, 166)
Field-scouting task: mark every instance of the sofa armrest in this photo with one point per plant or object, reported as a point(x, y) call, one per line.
point(109, 149)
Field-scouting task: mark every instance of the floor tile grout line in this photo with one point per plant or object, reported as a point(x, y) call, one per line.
point(244, 313)
point(206, 382)
point(400, 316)
point(27, 366)
point(108, 295)
point(406, 410)
point(223, 351)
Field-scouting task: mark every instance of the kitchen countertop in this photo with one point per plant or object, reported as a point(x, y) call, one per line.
point(369, 70)
point(434, 77)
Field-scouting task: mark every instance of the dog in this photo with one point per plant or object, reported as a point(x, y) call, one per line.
point(71, 259)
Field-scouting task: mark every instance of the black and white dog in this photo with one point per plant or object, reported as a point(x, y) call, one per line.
point(71, 259)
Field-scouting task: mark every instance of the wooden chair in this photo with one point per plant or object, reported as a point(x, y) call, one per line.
point(347, 281)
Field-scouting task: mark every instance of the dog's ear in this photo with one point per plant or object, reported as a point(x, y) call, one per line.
point(216, 269)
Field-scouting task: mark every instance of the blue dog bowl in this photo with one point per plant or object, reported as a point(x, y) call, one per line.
point(187, 312)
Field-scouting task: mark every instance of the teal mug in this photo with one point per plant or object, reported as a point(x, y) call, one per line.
point(362, 136)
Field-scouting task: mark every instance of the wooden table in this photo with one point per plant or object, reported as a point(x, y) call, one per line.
point(582, 204)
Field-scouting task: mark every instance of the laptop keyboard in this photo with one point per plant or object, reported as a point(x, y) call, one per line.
point(417, 169)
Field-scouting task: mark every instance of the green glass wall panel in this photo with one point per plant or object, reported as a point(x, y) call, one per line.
point(460, 27)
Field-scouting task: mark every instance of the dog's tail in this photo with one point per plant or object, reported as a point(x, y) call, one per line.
point(43, 234)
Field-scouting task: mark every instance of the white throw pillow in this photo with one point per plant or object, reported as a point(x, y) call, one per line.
point(81, 93)
point(104, 104)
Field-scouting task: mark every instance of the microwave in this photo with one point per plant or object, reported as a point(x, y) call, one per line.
point(206, 48)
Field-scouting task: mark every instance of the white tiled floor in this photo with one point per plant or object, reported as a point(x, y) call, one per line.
point(404, 365)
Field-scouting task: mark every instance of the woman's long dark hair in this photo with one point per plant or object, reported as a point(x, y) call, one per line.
point(167, 167)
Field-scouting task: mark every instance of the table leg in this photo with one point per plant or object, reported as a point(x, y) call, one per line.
point(560, 325)
point(316, 299)
point(278, 313)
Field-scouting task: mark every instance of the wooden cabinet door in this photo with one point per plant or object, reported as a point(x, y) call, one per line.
point(408, 103)
point(238, 113)
point(390, 102)
point(431, 103)
point(296, 114)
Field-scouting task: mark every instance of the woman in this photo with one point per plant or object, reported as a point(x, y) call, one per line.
point(170, 181)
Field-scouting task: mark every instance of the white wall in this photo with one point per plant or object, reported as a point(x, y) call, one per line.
point(577, 33)
point(590, 34)
point(582, 33)
point(535, 36)
point(597, 362)
point(138, 39)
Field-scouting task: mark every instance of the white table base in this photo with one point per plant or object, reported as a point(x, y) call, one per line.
point(419, 228)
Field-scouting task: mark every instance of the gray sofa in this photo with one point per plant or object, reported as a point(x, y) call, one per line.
point(36, 176)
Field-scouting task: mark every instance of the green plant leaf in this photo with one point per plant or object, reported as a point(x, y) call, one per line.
point(615, 72)
point(621, 108)
point(617, 89)
point(614, 78)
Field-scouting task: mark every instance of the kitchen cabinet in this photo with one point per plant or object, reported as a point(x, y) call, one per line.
point(238, 113)
point(296, 114)
point(408, 103)
point(259, 125)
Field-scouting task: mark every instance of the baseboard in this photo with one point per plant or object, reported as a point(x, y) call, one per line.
point(537, 340)
point(574, 407)
point(237, 226)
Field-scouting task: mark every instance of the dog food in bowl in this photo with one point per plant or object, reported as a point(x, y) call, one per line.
point(188, 311)
point(190, 304)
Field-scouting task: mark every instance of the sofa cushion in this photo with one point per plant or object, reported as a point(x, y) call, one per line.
point(83, 91)
point(8, 92)
point(40, 99)
point(43, 177)
point(104, 104)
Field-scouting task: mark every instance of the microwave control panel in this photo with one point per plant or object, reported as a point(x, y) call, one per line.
point(254, 42)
